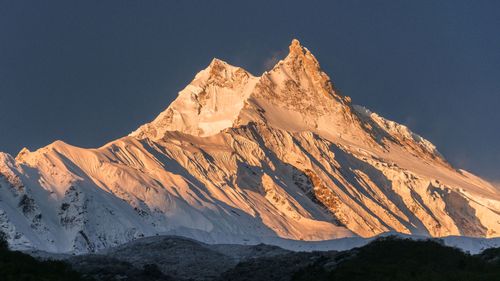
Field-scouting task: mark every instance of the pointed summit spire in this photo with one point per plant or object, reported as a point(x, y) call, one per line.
point(296, 48)
point(301, 54)
point(300, 59)
point(301, 67)
point(217, 62)
point(218, 65)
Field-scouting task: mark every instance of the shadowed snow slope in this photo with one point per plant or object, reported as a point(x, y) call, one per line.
point(242, 159)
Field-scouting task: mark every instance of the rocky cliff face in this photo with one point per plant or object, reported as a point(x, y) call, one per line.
point(244, 159)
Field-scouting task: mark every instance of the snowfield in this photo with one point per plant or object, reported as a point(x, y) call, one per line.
point(281, 159)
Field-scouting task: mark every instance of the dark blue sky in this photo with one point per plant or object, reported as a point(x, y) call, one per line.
point(88, 72)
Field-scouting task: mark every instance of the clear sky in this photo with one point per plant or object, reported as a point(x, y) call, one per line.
point(88, 72)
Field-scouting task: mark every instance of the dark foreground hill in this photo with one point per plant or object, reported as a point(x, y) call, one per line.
point(17, 266)
point(175, 258)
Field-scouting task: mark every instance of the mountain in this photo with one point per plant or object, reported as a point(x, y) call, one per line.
point(244, 159)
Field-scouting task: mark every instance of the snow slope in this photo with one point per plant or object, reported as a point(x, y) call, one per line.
point(237, 158)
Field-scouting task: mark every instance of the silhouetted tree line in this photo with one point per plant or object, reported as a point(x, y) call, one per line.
point(395, 259)
point(17, 266)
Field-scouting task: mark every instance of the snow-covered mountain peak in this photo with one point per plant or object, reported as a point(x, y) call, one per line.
point(221, 73)
point(242, 158)
point(297, 82)
point(209, 104)
point(295, 95)
point(223, 95)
